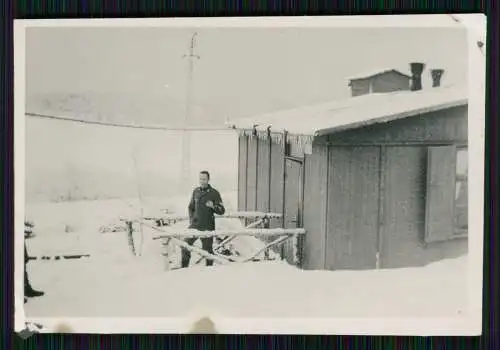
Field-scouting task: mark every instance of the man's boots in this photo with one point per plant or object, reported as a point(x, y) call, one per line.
point(31, 293)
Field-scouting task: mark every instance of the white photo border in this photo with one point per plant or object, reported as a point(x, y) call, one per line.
point(469, 324)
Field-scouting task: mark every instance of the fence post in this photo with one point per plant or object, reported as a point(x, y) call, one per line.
point(297, 261)
point(265, 223)
point(130, 231)
point(167, 250)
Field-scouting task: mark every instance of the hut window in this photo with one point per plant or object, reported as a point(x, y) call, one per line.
point(461, 191)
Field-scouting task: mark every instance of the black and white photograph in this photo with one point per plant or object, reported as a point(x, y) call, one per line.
point(293, 175)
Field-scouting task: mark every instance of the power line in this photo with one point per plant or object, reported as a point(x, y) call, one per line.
point(123, 125)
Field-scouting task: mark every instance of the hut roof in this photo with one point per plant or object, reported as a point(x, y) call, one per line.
point(305, 123)
point(355, 112)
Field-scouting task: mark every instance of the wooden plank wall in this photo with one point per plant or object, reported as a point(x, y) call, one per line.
point(389, 82)
point(404, 206)
point(263, 175)
point(356, 198)
point(353, 202)
point(260, 177)
point(293, 194)
point(277, 172)
point(441, 162)
point(242, 172)
point(360, 87)
point(315, 207)
point(271, 173)
point(448, 125)
point(251, 197)
point(405, 201)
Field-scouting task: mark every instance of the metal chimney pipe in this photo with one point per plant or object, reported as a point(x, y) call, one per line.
point(436, 75)
point(417, 69)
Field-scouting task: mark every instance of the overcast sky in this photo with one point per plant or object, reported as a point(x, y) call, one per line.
point(242, 71)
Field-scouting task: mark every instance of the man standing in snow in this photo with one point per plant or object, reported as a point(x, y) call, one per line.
point(205, 202)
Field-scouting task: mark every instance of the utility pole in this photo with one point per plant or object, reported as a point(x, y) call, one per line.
point(186, 139)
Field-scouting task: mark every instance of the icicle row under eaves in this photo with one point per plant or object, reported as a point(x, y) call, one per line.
point(301, 142)
point(276, 137)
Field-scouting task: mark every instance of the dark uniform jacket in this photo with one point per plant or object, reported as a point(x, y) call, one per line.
point(202, 217)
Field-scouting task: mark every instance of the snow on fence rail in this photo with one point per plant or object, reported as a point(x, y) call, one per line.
point(228, 215)
point(256, 232)
point(177, 235)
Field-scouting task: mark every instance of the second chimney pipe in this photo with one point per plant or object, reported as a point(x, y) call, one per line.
point(416, 75)
point(436, 77)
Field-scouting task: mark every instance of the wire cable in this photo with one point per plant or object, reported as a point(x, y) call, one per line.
point(124, 125)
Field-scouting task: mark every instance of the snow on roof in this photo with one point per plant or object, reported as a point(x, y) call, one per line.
point(355, 112)
point(375, 72)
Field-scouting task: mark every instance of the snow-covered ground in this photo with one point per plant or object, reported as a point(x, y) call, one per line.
point(113, 283)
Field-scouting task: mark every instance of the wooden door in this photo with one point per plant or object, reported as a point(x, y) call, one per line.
point(404, 206)
point(353, 208)
point(293, 201)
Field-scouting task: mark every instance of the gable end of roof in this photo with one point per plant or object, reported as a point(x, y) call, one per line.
point(373, 74)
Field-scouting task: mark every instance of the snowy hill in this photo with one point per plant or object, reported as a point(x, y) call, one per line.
point(128, 108)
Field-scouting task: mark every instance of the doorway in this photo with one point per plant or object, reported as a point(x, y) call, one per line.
point(293, 201)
